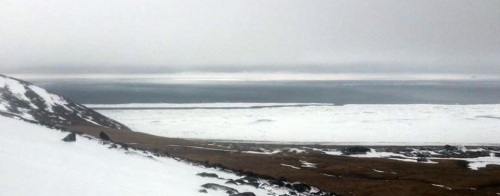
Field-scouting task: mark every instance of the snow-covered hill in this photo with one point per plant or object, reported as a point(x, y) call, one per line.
point(23, 100)
point(35, 161)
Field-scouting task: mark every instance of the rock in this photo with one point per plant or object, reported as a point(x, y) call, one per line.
point(208, 175)
point(355, 150)
point(497, 154)
point(203, 191)
point(279, 183)
point(217, 187)
point(423, 154)
point(113, 146)
point(243, 194)
point(254, 184)
point(301, 187)
point(240, 181)
point(104, 136)
point(422, 159)
point(251, 179)
point(231, 182)
point(124, 146)
point(450, 148)
point(475, 154)
point(70, 138)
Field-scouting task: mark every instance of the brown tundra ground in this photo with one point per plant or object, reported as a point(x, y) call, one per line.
point(336, 174)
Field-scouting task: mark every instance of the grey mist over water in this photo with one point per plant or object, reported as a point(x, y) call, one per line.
point(110, 91)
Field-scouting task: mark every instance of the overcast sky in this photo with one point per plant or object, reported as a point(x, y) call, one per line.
point(160, 36)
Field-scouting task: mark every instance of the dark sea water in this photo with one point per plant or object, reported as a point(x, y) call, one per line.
point(115, 91)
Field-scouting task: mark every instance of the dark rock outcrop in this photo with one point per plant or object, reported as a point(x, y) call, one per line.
point(355, 150)
point(243, 194)
point(70, 138)
point(241, 181)
point(251, 179)
point(301, 188)
point(217, 187)
point(203, 191)
point(248, 180)
point(475, 154)
point(422, 159)
point(278, 182)
point(208, 175)
point(450, 148)
point(231, 182)
point(104, 136)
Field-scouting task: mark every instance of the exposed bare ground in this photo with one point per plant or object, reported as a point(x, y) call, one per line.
point(336, 174)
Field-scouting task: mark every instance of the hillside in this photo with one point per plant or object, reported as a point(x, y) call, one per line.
point(23, 100)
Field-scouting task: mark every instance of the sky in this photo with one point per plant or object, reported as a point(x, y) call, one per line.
point(442, 38)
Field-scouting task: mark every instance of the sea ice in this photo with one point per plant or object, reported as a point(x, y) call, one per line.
point(348, 124)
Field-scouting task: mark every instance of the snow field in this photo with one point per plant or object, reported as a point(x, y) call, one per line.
point(36, 162)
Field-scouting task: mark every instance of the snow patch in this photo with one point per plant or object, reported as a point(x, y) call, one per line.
point(333, 152)
point(378, 171)
point(307, 164)
point(442, 186)
point(291, 166)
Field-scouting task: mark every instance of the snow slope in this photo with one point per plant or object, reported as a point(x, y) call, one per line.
point(366, 124)
point(24, 100)
point(34, 161)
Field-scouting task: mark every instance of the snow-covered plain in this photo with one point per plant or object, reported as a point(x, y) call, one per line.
point(348, 124)
point(34, 161)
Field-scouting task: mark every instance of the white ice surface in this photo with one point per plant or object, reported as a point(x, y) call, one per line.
point(195, 105)
point(366, 124)
point(34, 161)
